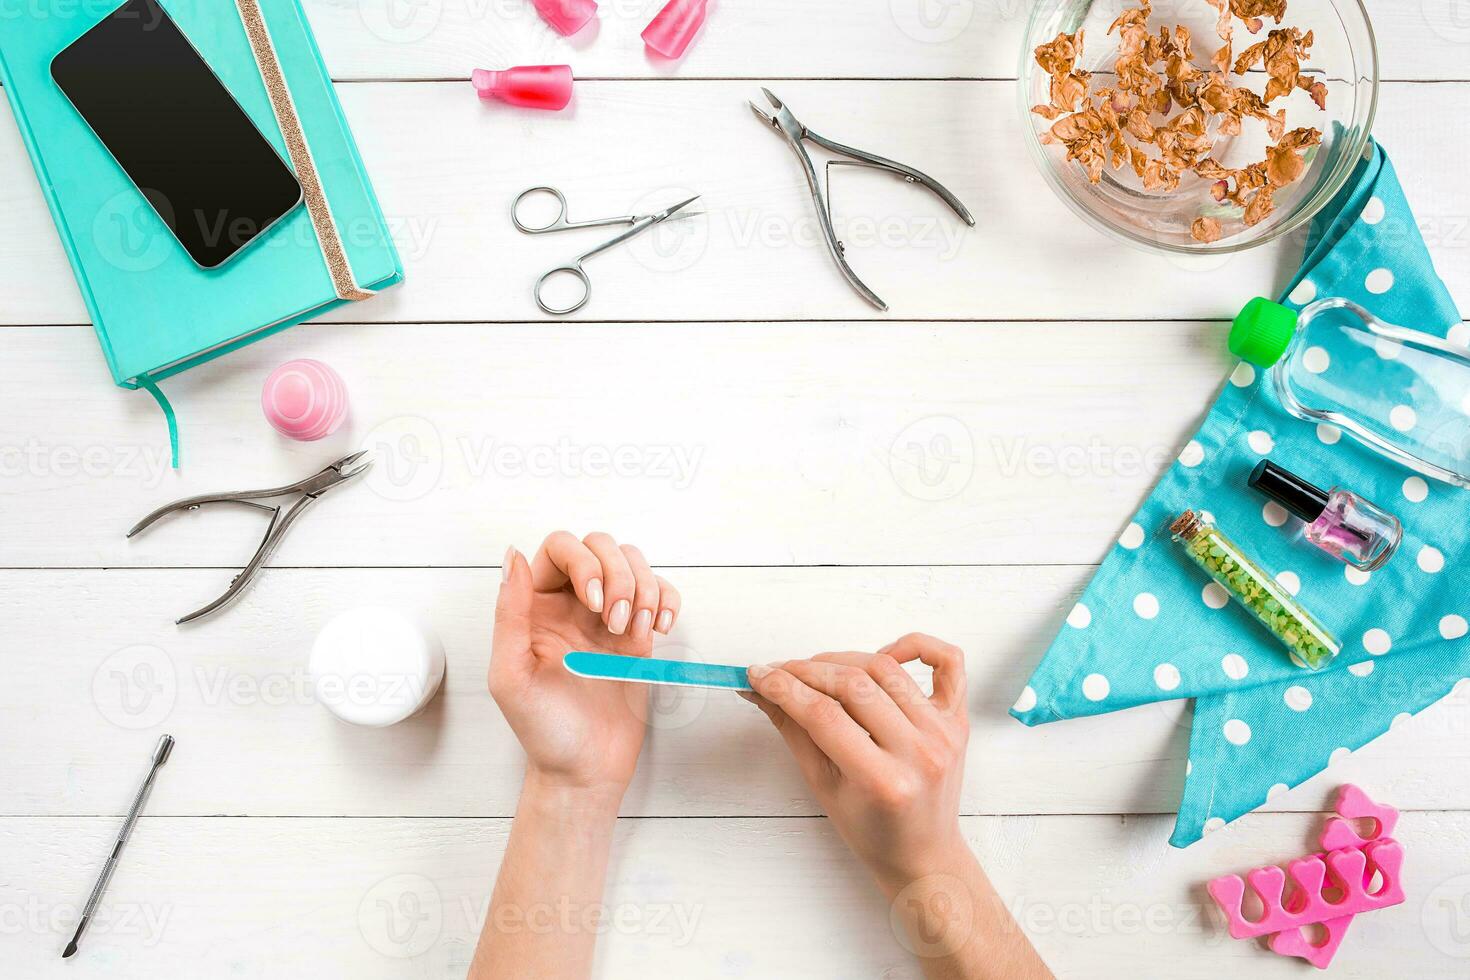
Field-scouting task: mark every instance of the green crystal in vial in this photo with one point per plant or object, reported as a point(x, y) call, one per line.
point(1305, 639)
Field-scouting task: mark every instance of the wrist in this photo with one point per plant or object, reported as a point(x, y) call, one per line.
point(554, 797)
point(948, 854)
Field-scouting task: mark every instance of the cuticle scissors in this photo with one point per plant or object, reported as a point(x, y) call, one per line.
point(638, 224)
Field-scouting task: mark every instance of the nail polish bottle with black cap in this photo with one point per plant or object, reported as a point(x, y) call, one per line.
point(1338, 521)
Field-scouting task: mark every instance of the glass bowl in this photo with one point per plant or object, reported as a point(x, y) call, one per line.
point(1344, 56)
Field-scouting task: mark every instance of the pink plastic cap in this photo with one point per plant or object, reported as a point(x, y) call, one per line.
point(567, 16)
point(532, 86)
point(673, 27)
point(304, 400)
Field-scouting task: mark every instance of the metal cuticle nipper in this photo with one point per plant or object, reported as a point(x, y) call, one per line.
point(328, 478)
point(785, 123)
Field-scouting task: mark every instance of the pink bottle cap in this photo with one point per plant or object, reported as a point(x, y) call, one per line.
point(567, 16)
point(304, 400)
point(532, 86)
point(673, 27)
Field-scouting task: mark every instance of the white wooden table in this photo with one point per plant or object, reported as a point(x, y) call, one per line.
point(812, 475)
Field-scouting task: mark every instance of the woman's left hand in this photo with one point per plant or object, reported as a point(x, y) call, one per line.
point(589, 594)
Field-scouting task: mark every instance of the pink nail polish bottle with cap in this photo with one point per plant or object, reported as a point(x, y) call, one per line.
point(673, 27)
point(304, 400)
point(567, 16)
point(532, 86)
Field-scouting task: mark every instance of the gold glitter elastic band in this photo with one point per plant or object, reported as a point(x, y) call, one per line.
point(299, 150)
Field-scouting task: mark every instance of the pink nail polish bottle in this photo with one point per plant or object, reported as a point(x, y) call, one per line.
point(1339, 521)
point(567, 16)
point(532, 86)
point(673, 27)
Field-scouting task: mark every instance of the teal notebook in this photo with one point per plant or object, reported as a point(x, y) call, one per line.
point(155, 312)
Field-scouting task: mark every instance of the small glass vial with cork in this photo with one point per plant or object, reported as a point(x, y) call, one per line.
point(1310, 645)
point(1338, 521)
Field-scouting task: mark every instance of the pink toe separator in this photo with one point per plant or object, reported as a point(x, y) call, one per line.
point(1348, 861)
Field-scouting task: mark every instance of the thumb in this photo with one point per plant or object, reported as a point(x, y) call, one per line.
point(510, 656)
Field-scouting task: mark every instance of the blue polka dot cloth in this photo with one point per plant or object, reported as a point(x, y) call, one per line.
point(1150, 627)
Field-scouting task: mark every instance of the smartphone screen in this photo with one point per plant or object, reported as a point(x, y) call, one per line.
point(175, 129)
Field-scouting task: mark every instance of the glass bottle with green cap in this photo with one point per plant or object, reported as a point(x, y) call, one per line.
point(1416, 412)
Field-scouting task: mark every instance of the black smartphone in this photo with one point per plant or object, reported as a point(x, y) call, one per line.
point(166, 118)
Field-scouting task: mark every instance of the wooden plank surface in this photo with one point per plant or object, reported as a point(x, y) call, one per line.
point(402, 39)
point(99, 645)
point(857, 444)
point(447, 168)
point(1101, 896)
point(811, 474)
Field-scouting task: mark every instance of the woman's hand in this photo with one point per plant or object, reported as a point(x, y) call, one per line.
point(885, 762)
point(591, 594)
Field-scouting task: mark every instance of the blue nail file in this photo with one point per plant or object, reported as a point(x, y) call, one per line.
point(645, 670)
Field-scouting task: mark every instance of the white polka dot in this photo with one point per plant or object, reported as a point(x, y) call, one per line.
point(1369, 151)
point(1373, 211)
point(1403, 418)
point(1027, 700)
point(1095, 687)
point(1298, 698)
point(1363, 669)
point(1132, 536)
point(1416, 490)
point(1235, 666)
point(1243, 376)
point(1328, 434)
point(1080, 617)
point(1379, 281)
point(1431, 560)
point(1273, 514)
point(1166, 677)
point(1237, 732)
point(1387, 349)
point(1207, 517)
point(1356, 576)
point(1377, 642)
point(1400, 718)
point(1304, 293)
point(1459, 334)
point(1213, 824)
point(1280, 789)
point(1146, 605)
point(1338, 755)
point(1260, 442)
point(1192, 455)
point(1316, 359)
point(1188, 768)
point(1215, 596)
point(1453, 627)
point(1290, 581)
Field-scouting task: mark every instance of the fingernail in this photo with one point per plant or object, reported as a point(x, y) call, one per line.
point(642, 622)
point(618, 621)
point(888, 648)
point(507, 563)
point(594, 595)
point(758, 671)
point(665, 621)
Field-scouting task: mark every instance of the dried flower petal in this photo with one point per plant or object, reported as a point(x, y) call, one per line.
point(1205, 230)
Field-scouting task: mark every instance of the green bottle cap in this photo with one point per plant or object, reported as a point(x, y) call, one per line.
point(1262, 331)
